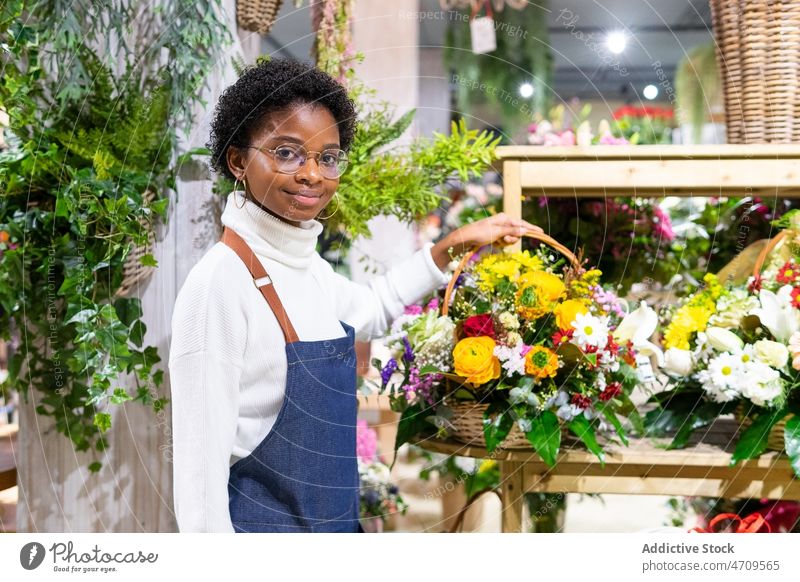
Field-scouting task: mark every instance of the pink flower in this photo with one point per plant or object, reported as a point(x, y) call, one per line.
point(366, 442)
point(566, 138)
point(663, 224)
point(413, 309)
point(609, 139)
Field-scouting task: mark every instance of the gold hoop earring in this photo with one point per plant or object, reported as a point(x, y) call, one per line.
point(335, 195)
point(244, 197)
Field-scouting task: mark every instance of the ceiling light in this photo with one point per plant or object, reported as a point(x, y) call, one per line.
point(650, 92)
point(526, 90)
point(616, 41)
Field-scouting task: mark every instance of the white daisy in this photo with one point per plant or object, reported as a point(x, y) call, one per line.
point(722, 378)
point(590, 331)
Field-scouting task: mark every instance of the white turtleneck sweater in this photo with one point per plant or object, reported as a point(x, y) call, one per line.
point(227, 360)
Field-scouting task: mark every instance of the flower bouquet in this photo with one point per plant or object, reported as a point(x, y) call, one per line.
point(730, 349)
point(522, 345)
point(379, 497)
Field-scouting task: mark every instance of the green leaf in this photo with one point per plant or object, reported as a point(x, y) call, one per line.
point(584, 430)
point(137, 333)
point(95, 467)
point(545, 436)
point(119, 396)
point(148, 260)
point(411, 423)
point(497, 423)
point(755, 439)
point(615, 422)
point(791, 439)
point(102, 420)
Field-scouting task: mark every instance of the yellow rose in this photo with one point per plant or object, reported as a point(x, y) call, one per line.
point(567, 311)
point(474, 359)
point(538, 293)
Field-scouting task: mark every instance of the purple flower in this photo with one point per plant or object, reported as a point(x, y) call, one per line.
point(413, 309)
point(388, 370)
point(433, 304)
point(408, 353)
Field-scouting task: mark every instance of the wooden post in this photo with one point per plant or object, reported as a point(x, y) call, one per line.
point(513, 496)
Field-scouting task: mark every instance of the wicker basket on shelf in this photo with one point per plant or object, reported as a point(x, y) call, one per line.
point(134, 272)
point(775, 440)
point(257, 15)
point(467, 419)
point(758, 51)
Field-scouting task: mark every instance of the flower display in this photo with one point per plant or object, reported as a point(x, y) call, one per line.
point(379, 497)
point(732, 348)
point(544, 346)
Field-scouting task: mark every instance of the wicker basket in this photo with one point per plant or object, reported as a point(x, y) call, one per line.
point(758, 51)
point(775, 440)
point(467, 417)
point(257, 15)
point(134, 272)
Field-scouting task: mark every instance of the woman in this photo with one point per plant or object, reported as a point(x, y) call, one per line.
point(262, 360)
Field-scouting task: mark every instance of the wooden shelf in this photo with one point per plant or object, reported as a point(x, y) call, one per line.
point(642, 468)
point(648, 171)
point(8, 466)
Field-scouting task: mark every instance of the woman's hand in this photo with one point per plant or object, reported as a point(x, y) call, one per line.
point(500, 228)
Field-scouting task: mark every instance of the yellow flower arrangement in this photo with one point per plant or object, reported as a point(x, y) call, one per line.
point(538, 293)
point(581, 286)
point(493, 269)
point(474, 359)
point(693, 317)
point(541, 362)
point(567, 311)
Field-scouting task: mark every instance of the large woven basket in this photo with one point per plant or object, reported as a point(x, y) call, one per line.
point(758, 51)
point(775, 440)
point(467, 419)
point(134, 272)
point(257, 15)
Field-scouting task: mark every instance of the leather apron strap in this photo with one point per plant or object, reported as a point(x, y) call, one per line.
point(261, 280)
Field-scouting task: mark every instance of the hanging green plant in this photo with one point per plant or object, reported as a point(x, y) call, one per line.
point(698, 87)
point(81, 185)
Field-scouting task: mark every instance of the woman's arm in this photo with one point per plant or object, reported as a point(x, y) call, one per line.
point(371, 308)
point(205, 411)
point(209, 336)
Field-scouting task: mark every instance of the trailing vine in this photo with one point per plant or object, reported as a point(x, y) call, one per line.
point(89, 137)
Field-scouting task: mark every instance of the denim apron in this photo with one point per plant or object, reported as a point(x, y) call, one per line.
point(303, 477)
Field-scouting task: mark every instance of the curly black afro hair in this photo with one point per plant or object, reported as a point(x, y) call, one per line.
point(268, 86)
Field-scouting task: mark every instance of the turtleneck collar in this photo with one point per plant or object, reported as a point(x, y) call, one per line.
point(269, 236)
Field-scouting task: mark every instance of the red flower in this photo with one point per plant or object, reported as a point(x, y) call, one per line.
point(562, 337)
point(630, 356)
point(796, 297)
point(478, 325)
point(788, 273)
point(581, 401)
point(612, 347)
point(755, 285)
point(612, 390)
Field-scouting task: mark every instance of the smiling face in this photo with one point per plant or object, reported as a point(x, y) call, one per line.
point(292, 198)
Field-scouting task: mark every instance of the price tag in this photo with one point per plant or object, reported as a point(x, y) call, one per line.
point(644, 369)
point(484, 37)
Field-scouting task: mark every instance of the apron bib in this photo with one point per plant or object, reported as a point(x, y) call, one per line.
point(303, 477)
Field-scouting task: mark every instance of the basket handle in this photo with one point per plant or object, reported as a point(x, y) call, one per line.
point(768, 248)
point(534, 234)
